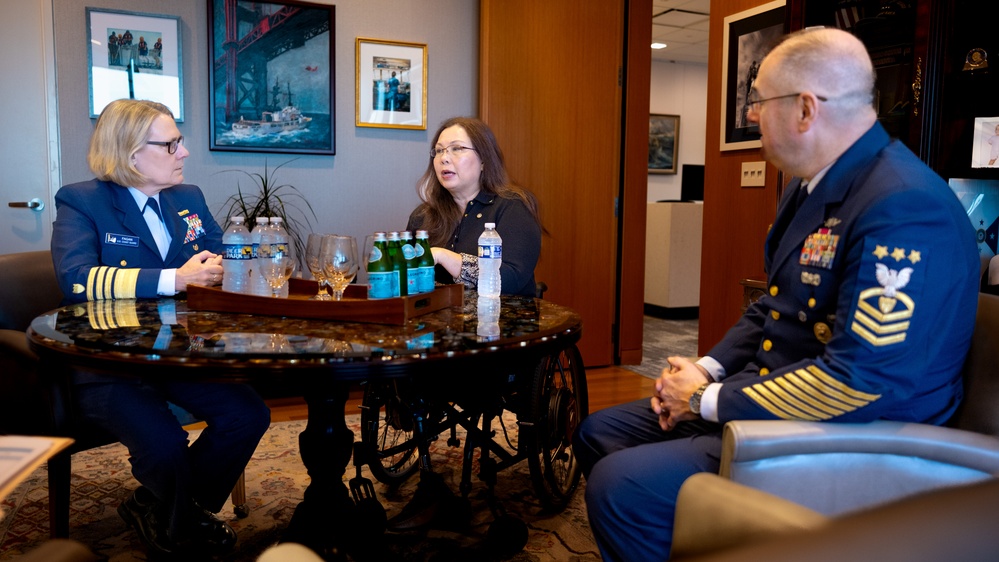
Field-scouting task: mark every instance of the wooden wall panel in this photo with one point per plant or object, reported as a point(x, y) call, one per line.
point(549, 88)
point(736, 219)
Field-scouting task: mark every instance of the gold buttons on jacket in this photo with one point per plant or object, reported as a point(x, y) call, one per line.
point(811, 303)
point(775, 315)
point(773, 290)
point(767, 344)
point(764, 372)
point(822, 332)
point(124, 263)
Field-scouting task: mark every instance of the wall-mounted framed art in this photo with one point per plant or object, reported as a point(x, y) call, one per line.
point(391, 88)
point(136, 56)
point(748, 37)
point(664, 143)
point(272, 76)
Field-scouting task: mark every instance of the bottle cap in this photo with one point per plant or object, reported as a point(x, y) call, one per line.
point(277, 219)
point(262, 220)
point(490, 225)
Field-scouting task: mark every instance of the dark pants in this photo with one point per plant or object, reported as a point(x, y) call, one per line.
point(633, 472)
point(205, 472)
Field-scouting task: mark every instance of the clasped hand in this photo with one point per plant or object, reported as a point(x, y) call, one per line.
point(204, 268)
point(674, 388)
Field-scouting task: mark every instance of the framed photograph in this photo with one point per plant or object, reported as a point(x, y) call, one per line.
point(664, 134)
point(391, 89)
point(985, 152)
point(271, 78)
point(135, 56)
point(748, 37)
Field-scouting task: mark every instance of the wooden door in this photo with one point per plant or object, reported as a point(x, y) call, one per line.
point(550, 87)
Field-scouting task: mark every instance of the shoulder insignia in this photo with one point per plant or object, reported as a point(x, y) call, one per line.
point(882, 313)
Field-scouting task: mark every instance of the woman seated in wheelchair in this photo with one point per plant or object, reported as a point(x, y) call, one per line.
point(466, 185)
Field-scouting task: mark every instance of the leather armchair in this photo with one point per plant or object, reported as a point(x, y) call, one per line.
point(721, 521)
point(836, 468)
point(34, 403)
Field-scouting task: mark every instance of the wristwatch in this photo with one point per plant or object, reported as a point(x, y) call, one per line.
point(695, 399)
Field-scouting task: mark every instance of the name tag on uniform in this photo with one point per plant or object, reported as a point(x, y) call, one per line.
point(121, 240)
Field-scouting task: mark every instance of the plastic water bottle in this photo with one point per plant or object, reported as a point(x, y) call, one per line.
point(237, 257)
point(490, 259)
point(488, 313)
point(412, 265)
point(258, 285)
point(280, 245)
point(425, 258)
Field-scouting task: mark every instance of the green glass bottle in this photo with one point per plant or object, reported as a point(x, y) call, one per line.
point(412, 266)
point(398, 262)
point(383, 280)
point(425, 263)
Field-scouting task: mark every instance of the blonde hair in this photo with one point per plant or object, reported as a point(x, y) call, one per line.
point(121, 131)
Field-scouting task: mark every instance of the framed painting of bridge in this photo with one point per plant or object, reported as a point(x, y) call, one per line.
point(135, 56)
point(271, 76)
point(391, 89)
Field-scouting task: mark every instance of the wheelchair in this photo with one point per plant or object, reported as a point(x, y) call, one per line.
point(400, 420)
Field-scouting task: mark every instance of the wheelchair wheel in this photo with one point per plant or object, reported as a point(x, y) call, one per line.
point(557, 404)
point(387, 434)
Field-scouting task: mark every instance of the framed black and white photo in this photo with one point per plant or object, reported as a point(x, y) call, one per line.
point(391, 88)
point(664, 137)
point(272, 76)
point(134, 56)
point(748, 37)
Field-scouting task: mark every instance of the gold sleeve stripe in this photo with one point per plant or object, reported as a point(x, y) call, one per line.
point(755, 397)
point(808, 389)
point(111, 283)
point(125, 283)
point(838, 390)
point(97, 320)
point(796, 391)
point(110, 314)
point(789, 403)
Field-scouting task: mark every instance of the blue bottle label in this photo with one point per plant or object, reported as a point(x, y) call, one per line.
point(237, 251)
point(383, 284)
point(491, 251)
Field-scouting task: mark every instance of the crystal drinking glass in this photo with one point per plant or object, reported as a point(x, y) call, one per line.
point(339, 260)
point(277, 270)
point(313, 250)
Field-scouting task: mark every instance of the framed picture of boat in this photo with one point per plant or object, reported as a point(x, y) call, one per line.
point(136, 56)
point(272, 75)
point(391, 89)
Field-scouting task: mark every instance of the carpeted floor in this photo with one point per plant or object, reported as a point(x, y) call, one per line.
point(663, 338)
point(275, 483)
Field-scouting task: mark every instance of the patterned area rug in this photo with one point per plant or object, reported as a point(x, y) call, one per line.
point(275, 484)
point(663, 338)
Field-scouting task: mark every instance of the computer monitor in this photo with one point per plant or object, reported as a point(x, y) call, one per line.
point(692, 182)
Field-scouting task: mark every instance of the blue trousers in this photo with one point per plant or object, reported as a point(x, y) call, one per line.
point(633, 472)
point(178, 473)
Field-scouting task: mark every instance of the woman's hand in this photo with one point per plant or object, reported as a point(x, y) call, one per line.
point(204, 268)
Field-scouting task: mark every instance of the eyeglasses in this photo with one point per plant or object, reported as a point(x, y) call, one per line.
point(455, 150)
point(171, 144)
point(754, 104)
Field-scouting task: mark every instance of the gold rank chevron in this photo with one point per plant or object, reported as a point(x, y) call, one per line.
point(882, 328)
point(808, 394)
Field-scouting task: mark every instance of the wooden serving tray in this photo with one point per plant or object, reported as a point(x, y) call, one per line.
point(355, 306)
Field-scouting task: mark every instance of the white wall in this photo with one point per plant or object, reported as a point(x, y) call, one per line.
point(370, 183)
point(679, 89)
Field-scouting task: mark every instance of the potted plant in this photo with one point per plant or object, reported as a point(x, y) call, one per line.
point(268, 199)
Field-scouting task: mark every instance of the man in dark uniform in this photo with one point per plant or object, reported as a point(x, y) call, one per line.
point(868, 314)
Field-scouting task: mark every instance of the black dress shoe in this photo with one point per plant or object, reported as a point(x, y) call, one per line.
point(141, 511)
point(430, 493)
point(205, 534)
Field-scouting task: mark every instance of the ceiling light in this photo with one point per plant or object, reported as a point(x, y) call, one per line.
point(659, 45)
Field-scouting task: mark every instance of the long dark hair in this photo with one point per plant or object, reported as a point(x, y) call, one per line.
point(439, 213)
